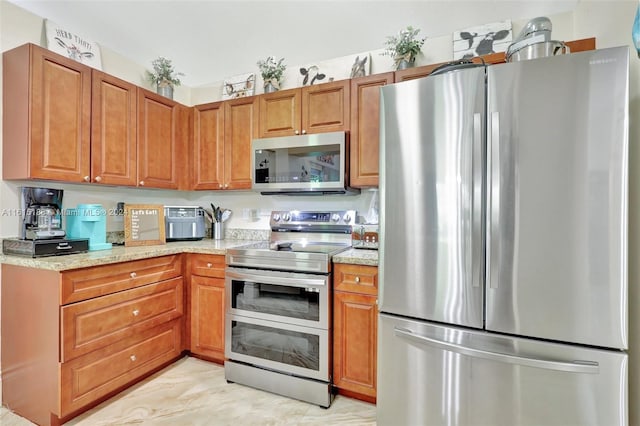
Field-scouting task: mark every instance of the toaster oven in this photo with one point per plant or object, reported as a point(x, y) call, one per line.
point(184, 223)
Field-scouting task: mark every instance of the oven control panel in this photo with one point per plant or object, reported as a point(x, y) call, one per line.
point(311, 218)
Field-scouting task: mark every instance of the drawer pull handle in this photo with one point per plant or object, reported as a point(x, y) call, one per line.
point(133, 358)
point(133, 275)
point(357, 279)
point(136, 312)
point(209, 265)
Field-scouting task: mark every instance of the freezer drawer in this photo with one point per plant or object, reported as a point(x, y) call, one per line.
point(436, 375)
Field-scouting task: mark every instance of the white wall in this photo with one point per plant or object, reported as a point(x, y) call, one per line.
point(610, 22)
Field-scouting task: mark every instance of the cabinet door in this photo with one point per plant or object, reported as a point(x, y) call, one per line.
point(113, 131)
point(162, 134)
point(241, 127)
point(207, 169)
point(207, 317)
point(354, 343)
point(280, 113)
point(326, 107)
point(365, 128)
point(47, 107)
point(86, 379)
point(97, 323)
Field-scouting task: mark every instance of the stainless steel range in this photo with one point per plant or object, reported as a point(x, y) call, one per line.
point(278, 320)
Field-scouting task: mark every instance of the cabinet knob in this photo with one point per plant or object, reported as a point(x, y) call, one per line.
point(209, 265)
point(297, 132)
point(357, 279)
point(136, 312)
point(376, 302)
point(219, 185)
point(133, 275)
point(133, 358)
point(141, 183)
point(226, 185)
point(86, 178)
point(304, 132)
point(98, 179)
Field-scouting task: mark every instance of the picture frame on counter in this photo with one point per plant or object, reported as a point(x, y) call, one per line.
point(144, 225)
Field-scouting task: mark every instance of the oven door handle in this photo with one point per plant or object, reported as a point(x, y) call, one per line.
point(264, 278)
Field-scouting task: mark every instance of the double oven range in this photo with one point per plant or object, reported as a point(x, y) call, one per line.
point(278, 318)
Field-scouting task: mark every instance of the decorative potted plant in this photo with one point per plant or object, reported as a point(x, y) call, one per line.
point(271, 72)
point(404, 47)
point(164, 76)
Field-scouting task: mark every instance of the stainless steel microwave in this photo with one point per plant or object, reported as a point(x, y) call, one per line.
point(314, 164)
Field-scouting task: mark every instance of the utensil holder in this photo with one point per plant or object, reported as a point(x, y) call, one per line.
point(217, 229)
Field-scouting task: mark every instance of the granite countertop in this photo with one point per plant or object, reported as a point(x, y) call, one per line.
point(124, 254)
point(357, 256)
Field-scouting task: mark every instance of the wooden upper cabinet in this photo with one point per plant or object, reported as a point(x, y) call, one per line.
point(163, 132)
point(46, 124)
point(241, 127)
point(113, 131)
point(311, 109)
point(207, 168)
point(326, 107)
point(365, 128)
point(280, 113)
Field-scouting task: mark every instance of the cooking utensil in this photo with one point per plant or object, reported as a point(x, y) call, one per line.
point(216, 213)
point(209, 215)
point(225, 215)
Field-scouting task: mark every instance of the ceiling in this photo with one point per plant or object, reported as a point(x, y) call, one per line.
point(210, 40)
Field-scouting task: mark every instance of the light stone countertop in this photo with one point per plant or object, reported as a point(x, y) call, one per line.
point(357, 256)
point(124, 254)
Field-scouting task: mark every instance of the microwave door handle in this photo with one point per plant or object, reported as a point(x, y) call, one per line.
point(286, 281)
point(583, 367)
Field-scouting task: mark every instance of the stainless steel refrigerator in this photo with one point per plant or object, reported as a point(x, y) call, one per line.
point(503, 256)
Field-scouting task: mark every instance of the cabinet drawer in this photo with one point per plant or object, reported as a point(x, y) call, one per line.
point(207, 265)
point(93, 376)
point(82, 284)
point(355, 278)
point(95, 323)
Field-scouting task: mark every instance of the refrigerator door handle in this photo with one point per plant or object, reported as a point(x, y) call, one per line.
point(477, 170)
point(493, 218)
point(582, 367)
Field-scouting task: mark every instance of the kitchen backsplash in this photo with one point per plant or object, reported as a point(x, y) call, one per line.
point(249, 220)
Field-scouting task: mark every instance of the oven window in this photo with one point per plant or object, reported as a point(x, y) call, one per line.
point(298, 164)
point(292, 302)
point(276, 344)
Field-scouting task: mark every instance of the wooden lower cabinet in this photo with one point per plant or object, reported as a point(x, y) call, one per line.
point(207, 306)
point(90, 377)
point(355, 330)
point(60, 358)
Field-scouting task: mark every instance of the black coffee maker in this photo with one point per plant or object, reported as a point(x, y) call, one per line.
point(42, 233)
point(42, 209)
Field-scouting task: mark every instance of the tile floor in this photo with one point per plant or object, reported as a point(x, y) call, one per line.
point(194, 392)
